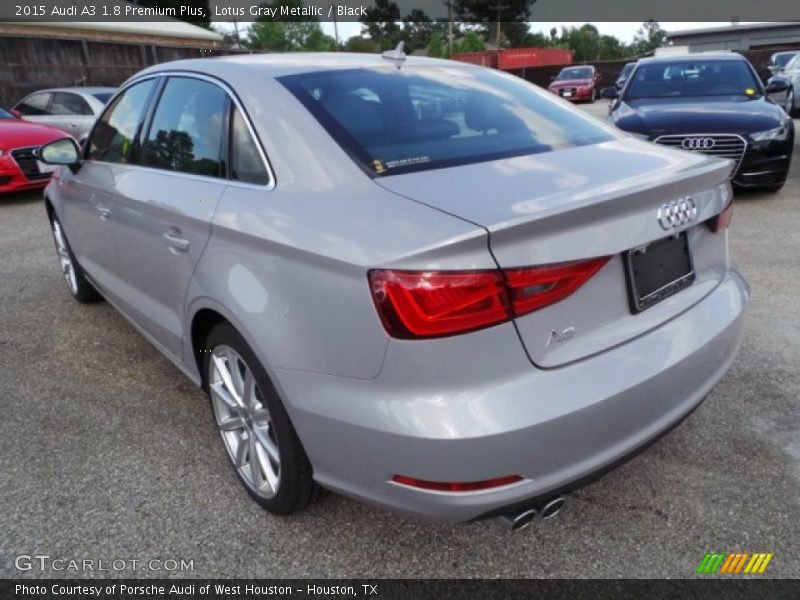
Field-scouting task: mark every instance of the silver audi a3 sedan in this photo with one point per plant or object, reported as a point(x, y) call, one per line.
point(423, 284)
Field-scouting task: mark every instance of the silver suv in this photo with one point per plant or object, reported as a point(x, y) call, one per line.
point(423, 284)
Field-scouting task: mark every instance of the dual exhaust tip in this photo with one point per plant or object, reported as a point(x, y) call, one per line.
point(519, 520)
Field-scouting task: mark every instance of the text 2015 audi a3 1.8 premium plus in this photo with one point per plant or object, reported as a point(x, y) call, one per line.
point(426, 285)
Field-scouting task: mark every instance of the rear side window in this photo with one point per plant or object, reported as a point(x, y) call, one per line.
point(34, 105)
point(246, 163)
point(187, 129)
point(65, 103)
point(419, 118)
point(115, 137)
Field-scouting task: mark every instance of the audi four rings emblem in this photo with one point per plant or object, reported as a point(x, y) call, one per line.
point(676, 213)
point(698, 143)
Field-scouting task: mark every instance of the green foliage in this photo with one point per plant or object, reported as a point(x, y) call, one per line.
point(649, 37)
point(358, 43)
point(436, 47)
point(289, 36)
point(471, 42)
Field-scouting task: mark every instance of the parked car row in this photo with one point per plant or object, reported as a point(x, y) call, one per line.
point(37, 119)
point(712, 103)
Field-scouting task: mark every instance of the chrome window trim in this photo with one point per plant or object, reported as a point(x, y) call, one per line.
point(234, 99)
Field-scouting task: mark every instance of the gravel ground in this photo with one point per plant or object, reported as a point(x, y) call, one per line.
point(107, 452)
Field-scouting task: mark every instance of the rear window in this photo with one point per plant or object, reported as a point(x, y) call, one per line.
point(104, 97)
point(693, 77)
point(419, 118)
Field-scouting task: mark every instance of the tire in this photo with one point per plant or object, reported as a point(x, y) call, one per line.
point(80, 288)
point(252, 422)
point(772, 189)
point(789, 104)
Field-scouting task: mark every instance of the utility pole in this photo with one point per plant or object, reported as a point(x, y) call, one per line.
point(336, 30)
point(449, 5)
point(499, 8)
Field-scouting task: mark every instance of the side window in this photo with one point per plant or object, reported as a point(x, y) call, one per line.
point(114, 136)
point(35, 105)
point(187, 129)
point(246, 163)
point(65, 103)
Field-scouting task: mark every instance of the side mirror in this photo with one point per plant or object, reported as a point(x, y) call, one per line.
point(610, 92)
point(15, 112)
point(776, 86)
point(60, 152)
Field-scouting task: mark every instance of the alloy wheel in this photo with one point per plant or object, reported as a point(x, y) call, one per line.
point(244, 422)
point(64, 257)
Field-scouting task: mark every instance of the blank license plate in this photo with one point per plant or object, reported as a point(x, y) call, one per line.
point(567, 94)
point(657, 271)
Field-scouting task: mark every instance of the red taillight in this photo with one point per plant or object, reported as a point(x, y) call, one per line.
point(536, 287)
point(424, 304)
point(722, 220)
point(431, 304)
point(456, 486)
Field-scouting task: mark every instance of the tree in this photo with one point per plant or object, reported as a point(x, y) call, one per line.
point(436, 47)
point(359, 43)
point(201, 13)
point(471, 42)
point(649, 37)
point(381, 24)
point(291, 34)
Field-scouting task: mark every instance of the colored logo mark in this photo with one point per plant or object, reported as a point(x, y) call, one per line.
point(734, 562)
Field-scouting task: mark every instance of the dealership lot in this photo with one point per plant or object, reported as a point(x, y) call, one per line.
point(107, 452)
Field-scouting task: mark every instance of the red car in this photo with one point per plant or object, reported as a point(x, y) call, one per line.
point(19, 169)
point(576, 83)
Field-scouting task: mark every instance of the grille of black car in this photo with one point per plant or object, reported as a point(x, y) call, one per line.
point(26, 159)
point(725, 145)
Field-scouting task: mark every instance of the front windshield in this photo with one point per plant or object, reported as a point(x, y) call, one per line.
point(420, 118)
point(4, 114)
point(693, 77)
point(575, 73)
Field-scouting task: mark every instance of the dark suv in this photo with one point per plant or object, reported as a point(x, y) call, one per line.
point(712, 103)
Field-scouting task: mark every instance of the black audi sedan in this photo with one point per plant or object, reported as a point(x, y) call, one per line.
point(709, 103)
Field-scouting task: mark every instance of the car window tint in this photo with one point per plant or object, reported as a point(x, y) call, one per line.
point(34, 105)
point(65, 103)
point(187, 129)
point(104, 97)
point(421, 118)
point(693, 77)
point(114, 136)
point(246, 162)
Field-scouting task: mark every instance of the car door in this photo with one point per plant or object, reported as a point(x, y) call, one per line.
point(89, 195)
point(167, 203)
point(71, 113)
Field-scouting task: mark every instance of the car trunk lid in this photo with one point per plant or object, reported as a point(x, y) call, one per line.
point(581, 203)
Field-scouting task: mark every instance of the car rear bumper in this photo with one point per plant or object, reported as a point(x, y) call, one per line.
point(464, 421)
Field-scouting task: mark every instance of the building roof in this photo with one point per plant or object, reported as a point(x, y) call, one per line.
point(732, 28)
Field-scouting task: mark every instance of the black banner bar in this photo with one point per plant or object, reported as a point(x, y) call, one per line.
point(731, 588)
point(396, 10)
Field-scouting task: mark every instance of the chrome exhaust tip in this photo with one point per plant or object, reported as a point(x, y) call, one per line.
point(519, 520)
point(552, 508)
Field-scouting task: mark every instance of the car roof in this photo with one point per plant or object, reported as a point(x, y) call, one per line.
point(79, 90)
point(291, 63)
point(731, 56)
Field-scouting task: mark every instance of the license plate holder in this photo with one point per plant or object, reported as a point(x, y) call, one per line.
point(658, 270)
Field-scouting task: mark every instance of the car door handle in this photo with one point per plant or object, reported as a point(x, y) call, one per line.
point(103, 211)
point(173, 239)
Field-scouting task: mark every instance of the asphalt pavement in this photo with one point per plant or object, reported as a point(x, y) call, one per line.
point(108, 452)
